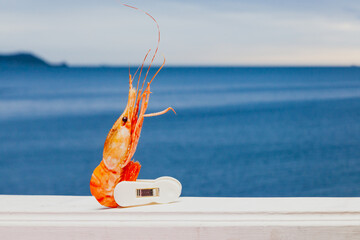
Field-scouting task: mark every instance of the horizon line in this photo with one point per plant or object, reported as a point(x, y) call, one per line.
point(213, 65)
point(195, 65)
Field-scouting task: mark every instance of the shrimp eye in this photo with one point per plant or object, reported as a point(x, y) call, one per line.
point(124, 119)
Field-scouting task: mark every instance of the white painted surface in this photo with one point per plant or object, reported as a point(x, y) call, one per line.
point(69, 217)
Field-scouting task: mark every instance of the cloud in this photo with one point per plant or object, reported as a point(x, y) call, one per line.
point(193, 32)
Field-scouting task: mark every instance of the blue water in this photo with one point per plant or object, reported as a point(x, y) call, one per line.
point(237, 131)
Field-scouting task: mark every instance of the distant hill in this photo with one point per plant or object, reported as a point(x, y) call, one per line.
point(24, 60)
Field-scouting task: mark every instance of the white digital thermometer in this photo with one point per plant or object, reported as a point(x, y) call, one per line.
point(140, 192)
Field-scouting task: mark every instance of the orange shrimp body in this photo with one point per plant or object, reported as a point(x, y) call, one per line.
point(120, 146)
point(122, 139)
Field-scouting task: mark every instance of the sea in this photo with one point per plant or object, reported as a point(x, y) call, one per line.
point(237, 131)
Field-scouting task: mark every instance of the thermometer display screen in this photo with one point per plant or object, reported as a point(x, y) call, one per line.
point(147, 192)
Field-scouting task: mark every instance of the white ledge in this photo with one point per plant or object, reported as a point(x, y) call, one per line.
point(81, 217)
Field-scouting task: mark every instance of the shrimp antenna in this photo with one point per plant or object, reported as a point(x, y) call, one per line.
point(158, 42)
point(137, 86)
point(142, 66)
point(135, 72)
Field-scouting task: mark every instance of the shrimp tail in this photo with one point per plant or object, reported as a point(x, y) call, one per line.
point(131, 171)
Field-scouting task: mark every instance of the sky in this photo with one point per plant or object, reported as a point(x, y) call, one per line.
point(227, 32)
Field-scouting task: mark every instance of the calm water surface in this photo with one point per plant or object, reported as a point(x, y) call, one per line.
point(237, 131)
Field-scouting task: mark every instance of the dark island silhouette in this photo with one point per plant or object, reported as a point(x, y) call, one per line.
point(25, 60)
